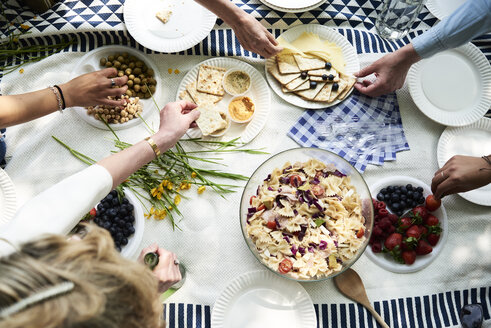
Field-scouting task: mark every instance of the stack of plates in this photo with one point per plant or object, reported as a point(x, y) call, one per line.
point(443, 8)
point(293, 6)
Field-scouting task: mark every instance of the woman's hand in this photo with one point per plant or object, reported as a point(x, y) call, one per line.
point(255, 37)
point(93, 89)
point(175, 119)
point(390, 71)
point(166, 271)
point(459, 174)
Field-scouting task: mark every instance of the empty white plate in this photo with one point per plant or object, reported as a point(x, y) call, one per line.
point(293, 6)
point(470, 140)
point(260, 299)
point(452, 87)
point(8, 198)
point(443, 8)
point(188, 24)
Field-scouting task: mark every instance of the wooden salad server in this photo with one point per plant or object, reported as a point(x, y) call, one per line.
point(350, 285)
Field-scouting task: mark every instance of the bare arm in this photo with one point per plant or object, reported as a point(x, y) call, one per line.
point(251, 34)
point(85, 90)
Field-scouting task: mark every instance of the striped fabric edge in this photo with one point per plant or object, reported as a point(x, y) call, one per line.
point(428, 311)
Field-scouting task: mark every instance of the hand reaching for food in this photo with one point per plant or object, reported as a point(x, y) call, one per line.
point(94, 88)
point(461, 173)
point(390, 72)
point(167, 269)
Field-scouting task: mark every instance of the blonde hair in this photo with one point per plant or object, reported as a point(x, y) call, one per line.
point(109, 291)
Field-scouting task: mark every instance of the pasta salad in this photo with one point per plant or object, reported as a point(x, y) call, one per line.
point(306, 220)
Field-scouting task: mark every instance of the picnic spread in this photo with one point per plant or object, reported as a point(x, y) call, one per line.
point(383, 141)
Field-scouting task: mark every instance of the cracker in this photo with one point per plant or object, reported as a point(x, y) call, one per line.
point(323, 95)
point(320, 72)
point(210, 79)
point(285, 90)
point(350, 80)
point(210, 120)
point(286, 64)
point(163, 15)
point(184, 95)
point(201, 98)
point(296, 83)
point(334, 94)
point(308, 63)
point(310, 94)
point(282, 78)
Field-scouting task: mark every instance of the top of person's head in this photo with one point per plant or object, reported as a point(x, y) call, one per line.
point(109, 291)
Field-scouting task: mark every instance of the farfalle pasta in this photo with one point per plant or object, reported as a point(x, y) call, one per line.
point(306, 220)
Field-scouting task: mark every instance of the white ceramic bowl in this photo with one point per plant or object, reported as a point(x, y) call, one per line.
point(227, 73)
point(245, 121)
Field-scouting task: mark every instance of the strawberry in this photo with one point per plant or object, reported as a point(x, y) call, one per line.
point(433, 238)
point(409, 243)
point(405, 223)
point(393, 241)
point(93, 212)
point(419, 212)
point(393, 218)
point(424, 230)
point(414, 231)
point(423, 248)
point(409, 257)
point(431, 220)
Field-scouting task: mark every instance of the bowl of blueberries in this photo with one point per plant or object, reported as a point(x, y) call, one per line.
point(400, 198)
point(122, 216)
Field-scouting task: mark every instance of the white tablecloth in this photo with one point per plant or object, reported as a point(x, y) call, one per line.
point(211, 244)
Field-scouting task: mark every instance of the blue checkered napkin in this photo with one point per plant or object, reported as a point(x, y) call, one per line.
point(361, 129)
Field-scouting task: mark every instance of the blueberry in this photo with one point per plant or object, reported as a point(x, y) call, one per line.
point(124, 241)
point(128, 225)
point(107, 225)
point(409, 187)
point(421, 200)
point(328, 65)
point(419, 189)
point(131, 218)
point(107, 204)
point(403, 190)
point(115, 201)
point(396, 206)
point(131, 230)
point(119, 235)
point(112, 213)
point(403, 204)
point(417, 195)
point(101, 207)
point(114, 193)
point(324, 77)
point(412, 204)
point(390, 189)
point(109, 197)
point(105, 217)
point(123, 211)
point(395, 198)
point(403, 197)
point(330, 77)
point(125, 200)
point(313, 84)
point(131, 207)
point(112, 230)
point(409, 194)
point(380, 197)
point(383, 191)
point(399, 213)
point(335, 87)
point(303, 75)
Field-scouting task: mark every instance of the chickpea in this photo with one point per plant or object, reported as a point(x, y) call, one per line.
point(106, 111)
point(129, 93)
point(109, 64)
point(131, 77)
point(103, 61)
point(136, 87)
point(128, 71)
point(137, 80)
point(137, 71)
point(120, 73)
point(110, 58)
point(111, 111)
point(124, 113)
point(129, 83)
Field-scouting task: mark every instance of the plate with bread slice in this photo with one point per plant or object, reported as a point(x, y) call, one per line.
point(232, 96)
point(315, 69)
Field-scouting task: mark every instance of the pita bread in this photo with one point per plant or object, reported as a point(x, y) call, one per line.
point(282, 78)
point(201, 98)
point(320, 72)
point(210, 80)
point(307, 64)
point(334, 93)
point(184, 95)
point(323, 95)
point(310, 94)
point(210, 120)
point(350, 80)
point(293, 85)
point(286, 64)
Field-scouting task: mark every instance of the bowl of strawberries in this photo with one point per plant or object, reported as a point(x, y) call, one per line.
point(410, 225)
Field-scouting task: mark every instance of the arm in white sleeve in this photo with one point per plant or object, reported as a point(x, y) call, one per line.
point(469, 21)
point(58, 209)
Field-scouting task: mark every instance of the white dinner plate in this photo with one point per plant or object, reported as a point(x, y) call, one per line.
point(259, 94)
point(470, 140)
point(452, 87)
point(293, 6)
point(260, 299)
point(422, 261)
point(8, 198)
point(325, 33)
point(443, 8)
point(90, 63)
point(188, 24)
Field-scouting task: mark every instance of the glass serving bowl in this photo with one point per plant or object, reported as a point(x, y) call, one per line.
point(303, 155)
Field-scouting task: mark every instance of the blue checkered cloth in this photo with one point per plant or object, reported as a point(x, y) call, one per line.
point(361, 129)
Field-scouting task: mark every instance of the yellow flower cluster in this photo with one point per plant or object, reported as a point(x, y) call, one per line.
point(157, 214)
point(158, 191)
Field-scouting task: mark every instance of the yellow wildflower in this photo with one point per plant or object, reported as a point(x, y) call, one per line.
point(176, 71)
point(193, 175)
point(169, 70)
point(160, 189)
point(21, 71)
point(16, 40)
point(164, 183)
point(169, 208)
point(150, 214)
point(24, 26)
point(170, 186)
point(177, 199)
point(154, 192)
point(201, 189)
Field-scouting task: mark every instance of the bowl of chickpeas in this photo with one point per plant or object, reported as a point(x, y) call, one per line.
point(143, 85)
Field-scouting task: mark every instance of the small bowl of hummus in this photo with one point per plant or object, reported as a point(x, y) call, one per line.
point(241, 109)
point(236, 82)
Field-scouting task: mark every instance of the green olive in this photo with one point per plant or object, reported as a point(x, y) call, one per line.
point(103, 61)
point(131, 77)
point(133, 59)
point(129, 93)
point(110, 58)
point(129, 83)
point(137, 71)
point(125, 55)
point(131, 65)
point(144, 89)
point(120, 73)
point(150, 72)
point(147, 95)
point(124, 67)
point(120, 58)
point(152, 89)
point(140, 95)
point(109, 64)
point(144, 81)
point(117, 64)
point(139, 64)
point(128, 71)
point(137, 80)
point(137, 87)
